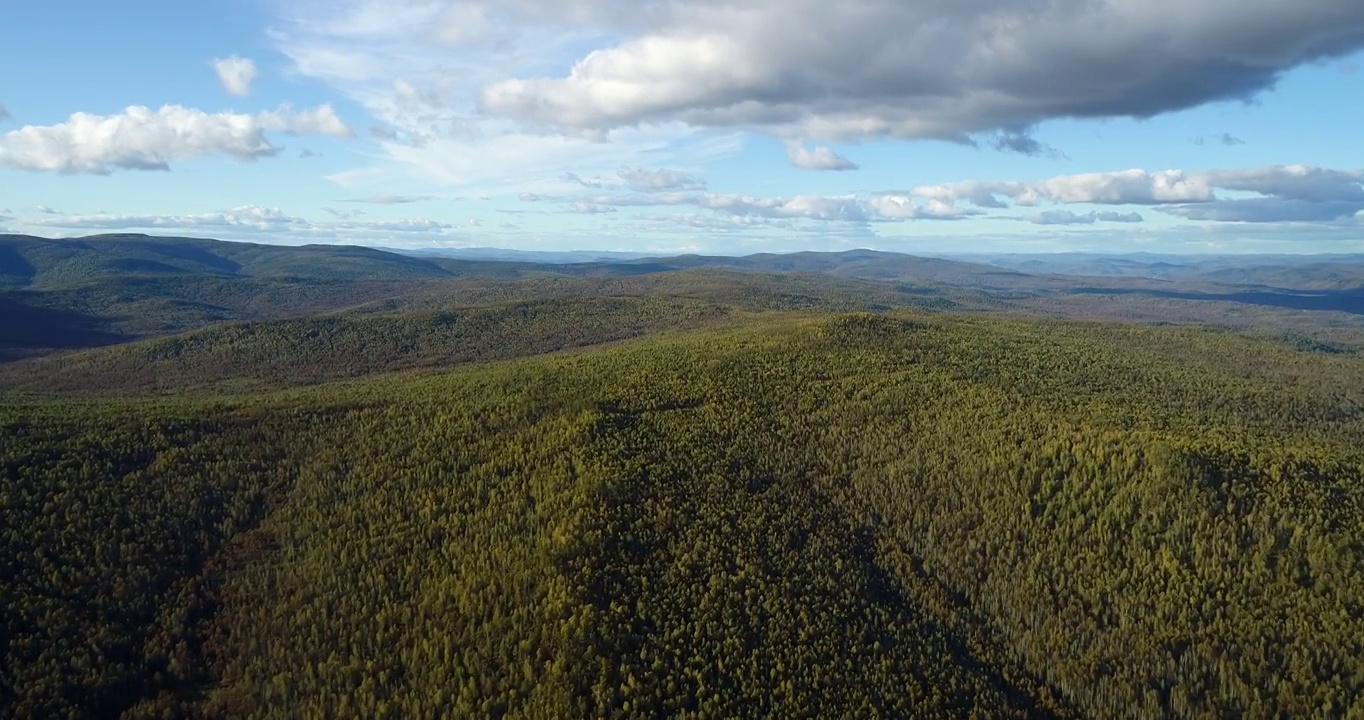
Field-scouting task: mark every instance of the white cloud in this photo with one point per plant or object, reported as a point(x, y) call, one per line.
point(1066, 217)
point(1269, 210)
point(817, 158)
point(911, 69)
point(248, 216)
point(587, 208)
point(1297, 182)
point(143, 139)
point(1127, 187)
point(321, 120)
point(250, 219)
point(640, 180)
point(1286, 193)
point(236, 74)
point(846, 208)
point(416, 66)
point(1139, 187)
point(391, 199)
point(353, 178)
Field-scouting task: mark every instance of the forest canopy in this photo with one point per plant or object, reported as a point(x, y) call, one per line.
point(910, 514)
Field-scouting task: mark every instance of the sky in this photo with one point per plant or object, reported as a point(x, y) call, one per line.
point(678, 126)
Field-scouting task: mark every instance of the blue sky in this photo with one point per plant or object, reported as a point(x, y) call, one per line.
point(691, 126)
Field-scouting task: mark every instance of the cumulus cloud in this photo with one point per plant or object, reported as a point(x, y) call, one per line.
point(1269, 210)
point(392, 199)
point(642, 180)
point(1296, 182)
point(1286, 193)
point(1140, 187)
point(251, 219)
point(140, 138)
point(1066, 217)
point(913, 69)
point(321, 120)
point(396, 59)
point(820, 157)
point(594, 183)
point(249, 216)
point(1126, 187)
point(589, 208)
point(845, 208)
point(236, 74)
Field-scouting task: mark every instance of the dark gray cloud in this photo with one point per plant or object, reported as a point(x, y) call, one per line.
point(928, 69)
point(4, 113)
point(1023, 143)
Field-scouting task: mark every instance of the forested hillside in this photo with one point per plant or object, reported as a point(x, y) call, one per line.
point(61, 295)
point(288, 352)
point(910, 514)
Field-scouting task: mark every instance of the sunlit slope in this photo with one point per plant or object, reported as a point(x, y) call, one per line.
point(238, 356)
point(922, 516)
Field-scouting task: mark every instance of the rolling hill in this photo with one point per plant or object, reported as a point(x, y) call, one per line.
point(808, 514)
point(102, 290)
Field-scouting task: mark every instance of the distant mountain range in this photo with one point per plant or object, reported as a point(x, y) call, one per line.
point(106, 289)
point(549, 257)
point(1301, 272)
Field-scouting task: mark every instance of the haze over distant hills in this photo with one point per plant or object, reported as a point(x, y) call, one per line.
point(105, 289)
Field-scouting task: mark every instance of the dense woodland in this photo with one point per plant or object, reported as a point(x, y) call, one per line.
point(688, 493)
point(904, 515)
point(62, 295)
